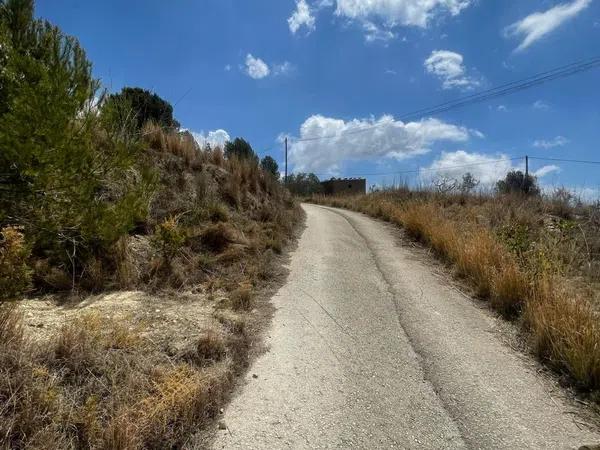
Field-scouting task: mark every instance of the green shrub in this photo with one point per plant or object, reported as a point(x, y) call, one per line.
point(241, 149)
point(73, 181)
point(146, 106)
point(270, 166)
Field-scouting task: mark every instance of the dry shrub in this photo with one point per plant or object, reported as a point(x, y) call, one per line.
point(510, 289)
point(209, 348)
point(565, 331)
point(168, 239)
point(217, 212)
point(100, 384)
point(81, 344)
point(154, 136)
point(180, 400)
point(15, 274)
point(180, 144)
point(125, 268)
point(241, 298)
point(215, 156)
point(217, 237)
point(94, 275)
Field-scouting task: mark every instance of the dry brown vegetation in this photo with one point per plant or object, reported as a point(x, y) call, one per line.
point(537, 260)
point(103, 380)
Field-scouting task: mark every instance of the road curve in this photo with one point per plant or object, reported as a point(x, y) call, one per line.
point(369, 348)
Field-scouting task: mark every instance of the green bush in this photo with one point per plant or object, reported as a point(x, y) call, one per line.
point(146, 106)
point(73, 181)
point(518, 182)
point(270, 166)
point(240, 149)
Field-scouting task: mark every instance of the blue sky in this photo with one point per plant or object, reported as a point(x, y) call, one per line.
point(263, 69)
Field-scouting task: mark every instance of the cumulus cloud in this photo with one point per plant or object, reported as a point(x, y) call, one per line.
point(399, 12)
point(377, 17)
point(558, 141)
point(542, 106)
point(537, 25)
point(488, 169)
point(302, 16)
point(449, 68)
point(256, 68)
point(216, 138)
point(361, 139)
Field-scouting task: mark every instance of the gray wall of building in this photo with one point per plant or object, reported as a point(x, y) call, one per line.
point(345, 186)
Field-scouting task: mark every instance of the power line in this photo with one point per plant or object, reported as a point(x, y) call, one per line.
point(496, 92)
point(461, 166)
point(580, 161)
point(431, 169)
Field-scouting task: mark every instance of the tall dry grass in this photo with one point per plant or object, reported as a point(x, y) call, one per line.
point(518, 254)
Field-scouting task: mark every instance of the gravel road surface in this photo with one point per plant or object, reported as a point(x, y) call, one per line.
point(372, 347)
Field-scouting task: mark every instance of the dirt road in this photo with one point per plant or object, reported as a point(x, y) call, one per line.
point(371, 347)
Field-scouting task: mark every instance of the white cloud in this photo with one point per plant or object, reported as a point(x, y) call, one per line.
point(362, 139)
point(558, 141)
point(399, 12)
point(284, 68)
point(256, 68)
point(228, 68)
point(374, 33)
point(216, 138)
point(302, 16)
point(488, 169)
point(449, 68)
point(537, 25)
point(502, 108)
point(545, 170)
point(541, 105)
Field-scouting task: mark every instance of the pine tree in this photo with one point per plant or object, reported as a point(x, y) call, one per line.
point(65, 170)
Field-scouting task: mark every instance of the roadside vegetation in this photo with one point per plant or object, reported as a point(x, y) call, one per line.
point(130, 258)
point(535, 257)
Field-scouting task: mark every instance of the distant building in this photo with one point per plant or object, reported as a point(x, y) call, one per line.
point(337, 186)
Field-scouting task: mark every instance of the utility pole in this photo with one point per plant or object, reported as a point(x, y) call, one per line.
point(526, 181)
point(286, 164)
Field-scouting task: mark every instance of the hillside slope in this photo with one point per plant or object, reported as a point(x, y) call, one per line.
point(140, 347)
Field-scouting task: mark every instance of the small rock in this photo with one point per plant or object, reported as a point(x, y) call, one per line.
point(254, 375)
point(221, 410)
point(222, 425)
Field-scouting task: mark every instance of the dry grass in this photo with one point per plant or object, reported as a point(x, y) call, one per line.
point(519, 254)
point(100, 384)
